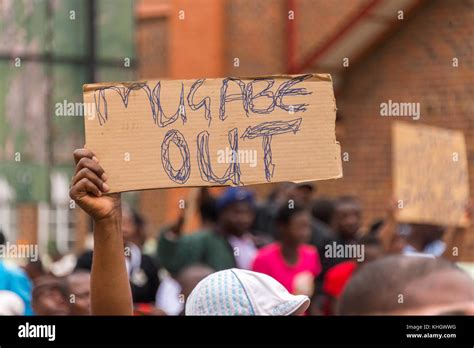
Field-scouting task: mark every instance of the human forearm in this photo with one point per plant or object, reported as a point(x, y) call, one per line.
point(387, 234)
point(388, 231)
point(110, 287)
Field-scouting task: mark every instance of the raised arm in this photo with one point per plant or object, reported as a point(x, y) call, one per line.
point(388, 231)
point(110, 287)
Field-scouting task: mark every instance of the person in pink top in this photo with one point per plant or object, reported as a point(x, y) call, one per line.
point(291, 261)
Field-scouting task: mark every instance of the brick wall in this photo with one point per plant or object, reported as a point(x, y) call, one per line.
point(415, 65)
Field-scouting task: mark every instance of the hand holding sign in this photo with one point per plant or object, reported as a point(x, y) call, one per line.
point(89, 187)
point(110, 288)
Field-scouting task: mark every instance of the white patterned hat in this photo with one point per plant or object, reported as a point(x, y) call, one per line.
point(11, 303)
point(241, 292)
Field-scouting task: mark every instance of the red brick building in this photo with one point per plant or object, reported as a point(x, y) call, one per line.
point(412, 51)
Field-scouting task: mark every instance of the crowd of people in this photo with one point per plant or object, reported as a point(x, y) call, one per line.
point(293, 253)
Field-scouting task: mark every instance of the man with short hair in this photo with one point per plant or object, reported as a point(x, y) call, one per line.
point(229, 244)
point(408, 285)
point(79, 287)
point(345, 223)
point(50, 297)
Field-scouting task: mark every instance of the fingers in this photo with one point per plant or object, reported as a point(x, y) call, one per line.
point(85, 158)
point(84, 187)
point(80, 153)
point(91, 164)
point(91, 176)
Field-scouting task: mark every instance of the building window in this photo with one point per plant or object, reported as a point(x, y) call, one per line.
point(48, 50)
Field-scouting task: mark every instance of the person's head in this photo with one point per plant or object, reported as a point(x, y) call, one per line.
point(426, 233)
point(235, 211)
point(133, 226)
point(323, 210)
point(241, 292)
point(207, 211)
point(190, 276)
point(282, 192)
point(373, 248)
point(306, 192)
point(399, 285)
point(347, 217)
point(11, 303)
point(294, 224)
point(50, 297)
point(3, 240)
point(277, 193)
point(301, 193)
point(79, 286)
point(375, 227)
point(34, 270)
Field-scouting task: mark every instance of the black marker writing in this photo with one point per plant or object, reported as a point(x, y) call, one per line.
point(206, 102)
point(232, 97)
point(179, 176)
point(257, 91)
point(232, 173)
point(267, 130)
point(263, 93)
point(164, 121)
point(286, 90)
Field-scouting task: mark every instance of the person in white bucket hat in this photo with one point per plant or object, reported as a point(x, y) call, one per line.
point(241, 292)
point(11, 303)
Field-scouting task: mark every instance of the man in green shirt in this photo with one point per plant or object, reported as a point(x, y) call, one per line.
point(228, 244)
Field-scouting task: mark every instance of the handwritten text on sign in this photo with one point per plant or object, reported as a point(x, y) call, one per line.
point(430, 174)
point(175, 133)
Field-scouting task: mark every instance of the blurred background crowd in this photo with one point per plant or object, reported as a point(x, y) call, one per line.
point(312, 246)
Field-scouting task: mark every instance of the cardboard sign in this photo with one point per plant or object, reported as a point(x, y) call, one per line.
point(430, 174)
point(211, 132)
